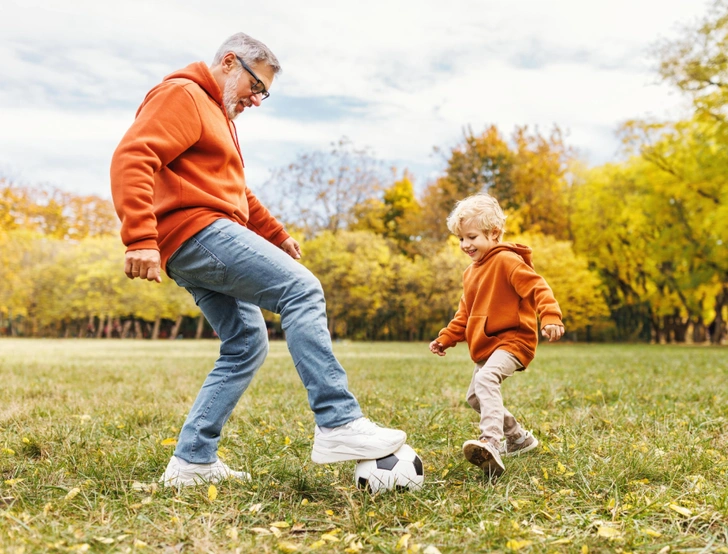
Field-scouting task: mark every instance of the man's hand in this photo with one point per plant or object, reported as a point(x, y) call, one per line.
point(291, 247)
point(553, 332)
point(436, 348)
point(145, 264)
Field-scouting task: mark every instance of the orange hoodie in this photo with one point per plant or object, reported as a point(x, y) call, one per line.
point(502, 296)
point(179, 168)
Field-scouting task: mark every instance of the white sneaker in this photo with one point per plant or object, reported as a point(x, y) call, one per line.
point(360, 439)
point(180, 473)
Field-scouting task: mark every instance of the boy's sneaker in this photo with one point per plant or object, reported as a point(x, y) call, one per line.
point(360, 439)
point(180, 473)
point(484, 455)
point(525, 443)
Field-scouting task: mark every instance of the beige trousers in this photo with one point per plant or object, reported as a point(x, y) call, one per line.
point(484, 395)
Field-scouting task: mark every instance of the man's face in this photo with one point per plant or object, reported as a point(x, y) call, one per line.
point(238, 94)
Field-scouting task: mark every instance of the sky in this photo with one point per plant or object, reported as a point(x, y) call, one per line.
point(398, 77)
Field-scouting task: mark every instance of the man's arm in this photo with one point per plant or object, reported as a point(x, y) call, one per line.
point(166, 125)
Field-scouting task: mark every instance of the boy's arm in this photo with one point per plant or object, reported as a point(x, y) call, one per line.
point(455, 330)
point(529, 284)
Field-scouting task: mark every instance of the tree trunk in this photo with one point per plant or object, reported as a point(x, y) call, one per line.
point(100, 330)
point(155, 329)
point(175, 328)
point(200, 326)
point(717, 325)
point(125, 329)
point(138, 333)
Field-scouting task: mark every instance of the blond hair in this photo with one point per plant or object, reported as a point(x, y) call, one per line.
point(482, 210)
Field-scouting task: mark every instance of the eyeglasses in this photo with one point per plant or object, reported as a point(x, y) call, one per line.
point(259, 86)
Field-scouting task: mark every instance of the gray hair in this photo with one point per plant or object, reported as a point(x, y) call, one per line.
point(250, 50)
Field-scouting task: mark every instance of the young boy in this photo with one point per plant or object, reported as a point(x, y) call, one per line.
point(497, 317)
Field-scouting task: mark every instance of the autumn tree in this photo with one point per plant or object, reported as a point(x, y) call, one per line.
point(319, 190)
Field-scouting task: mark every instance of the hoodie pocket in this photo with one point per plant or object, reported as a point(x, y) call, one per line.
point(475, 328)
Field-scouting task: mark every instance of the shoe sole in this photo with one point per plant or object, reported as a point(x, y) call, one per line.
point(520, 451)
point(177, 481)
point(479, 456)
point(344, 454)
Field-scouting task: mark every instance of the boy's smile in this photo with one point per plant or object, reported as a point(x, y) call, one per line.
point(474, 242)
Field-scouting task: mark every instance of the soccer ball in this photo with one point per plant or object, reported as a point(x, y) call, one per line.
point(401, 470)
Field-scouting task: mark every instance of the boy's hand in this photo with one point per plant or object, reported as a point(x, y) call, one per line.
point(436, 348)
point(553, 332)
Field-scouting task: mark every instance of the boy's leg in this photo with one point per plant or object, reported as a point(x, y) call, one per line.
point(484, 395)
point(232, 260)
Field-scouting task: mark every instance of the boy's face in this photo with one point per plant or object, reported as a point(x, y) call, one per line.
point(474, 242)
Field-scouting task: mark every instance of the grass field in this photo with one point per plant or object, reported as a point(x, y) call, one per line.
point(634, 454)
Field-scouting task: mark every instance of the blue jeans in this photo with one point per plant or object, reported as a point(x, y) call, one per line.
point(231, 272)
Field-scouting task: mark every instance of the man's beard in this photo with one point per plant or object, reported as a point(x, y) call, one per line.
point(230, 96)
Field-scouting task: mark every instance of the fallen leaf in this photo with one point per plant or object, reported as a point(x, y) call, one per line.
point(403, 542)
point(288, 547)
point(681, 510)
point(515, 544)
point(72, 493)
point(608, 532)
point(260, 531)
point(212, 493)
point(169, 442)
point(280, 524)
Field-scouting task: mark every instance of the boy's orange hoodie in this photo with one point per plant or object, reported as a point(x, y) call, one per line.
point(502, 297)
point(179, 168)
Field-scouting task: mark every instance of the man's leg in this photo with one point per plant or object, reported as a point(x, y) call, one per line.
point(232, 260)
point(243, 348)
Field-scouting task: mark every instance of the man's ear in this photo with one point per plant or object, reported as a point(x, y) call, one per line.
point(228, 62)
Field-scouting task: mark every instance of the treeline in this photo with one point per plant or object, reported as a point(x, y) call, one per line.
point(634, 249)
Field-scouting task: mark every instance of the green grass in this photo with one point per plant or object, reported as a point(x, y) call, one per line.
point(634, 455)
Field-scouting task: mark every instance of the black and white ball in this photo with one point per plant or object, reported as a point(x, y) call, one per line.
point(400, 470)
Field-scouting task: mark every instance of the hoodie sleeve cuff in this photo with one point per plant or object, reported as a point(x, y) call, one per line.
point(446, 340)
point(551, 320)
point(149, 244)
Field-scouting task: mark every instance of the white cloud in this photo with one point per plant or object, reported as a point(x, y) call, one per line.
point(419, 72)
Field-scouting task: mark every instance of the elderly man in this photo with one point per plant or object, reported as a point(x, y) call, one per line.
point(178, 185)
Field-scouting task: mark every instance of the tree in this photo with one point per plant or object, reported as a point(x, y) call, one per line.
point(318, 191)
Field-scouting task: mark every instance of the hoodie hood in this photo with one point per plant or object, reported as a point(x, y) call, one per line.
point(199, 73)
point(522, 250)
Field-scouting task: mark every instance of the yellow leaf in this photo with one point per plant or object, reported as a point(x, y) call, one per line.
point(545, 474)
point(280, 524)
point(72, 493)
point(212, 493)
point(260, 531)
point(608, 532)
point(316, 544)
point(403, 542)
point(287, 440)
point(11, 482)
point(26, 440)
point(9, 451)
point(288, 547)
point(304, 502)
point(681, 510)
point(329, 512)
point(232, 533)
point(104, 540)
point(561, 467)
point(445, 472)
point(561, 541)
point(329, 537)
point(652, 533)
point(139, 544)
point(515, 544)
point(169, 442)
point(584, 549)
